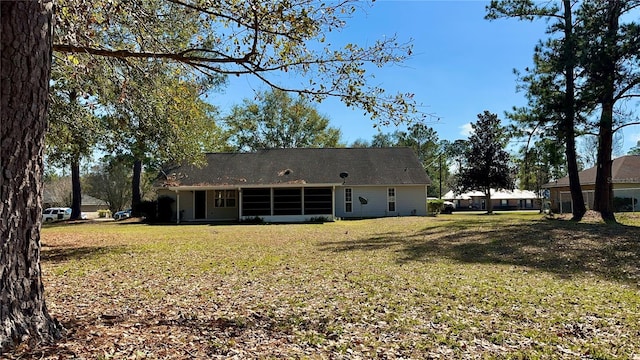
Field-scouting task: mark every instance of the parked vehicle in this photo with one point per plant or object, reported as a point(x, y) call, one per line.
point(448, 207)
point(56, 214)
point(122, 214)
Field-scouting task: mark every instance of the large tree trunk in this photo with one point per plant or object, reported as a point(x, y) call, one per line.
point(603, 194)
point(136, 197)
point(25, 52)
point(76, 190)
point(568, 123)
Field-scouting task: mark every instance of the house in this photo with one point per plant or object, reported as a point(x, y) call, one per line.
point(88, 203)
point(501, 200)
point(292, 185)
point(626, 186)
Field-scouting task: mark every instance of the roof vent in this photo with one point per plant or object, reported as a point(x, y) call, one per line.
point(285, 172)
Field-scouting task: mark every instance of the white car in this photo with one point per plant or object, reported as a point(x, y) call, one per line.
point(56, 214)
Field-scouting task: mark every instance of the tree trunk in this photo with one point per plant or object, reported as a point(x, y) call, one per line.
point(603, 194)
point(25, 53)
point(76, 190)
point(568, 123)
point(488, 199)
point(136, 197)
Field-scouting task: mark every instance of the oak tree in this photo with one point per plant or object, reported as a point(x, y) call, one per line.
point(279, 121)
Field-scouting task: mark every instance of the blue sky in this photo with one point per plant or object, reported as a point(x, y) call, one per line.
point(461, 65)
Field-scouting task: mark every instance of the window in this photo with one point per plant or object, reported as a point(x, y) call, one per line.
point(256, 202)
point(348, 200)
point(318, 201)
point(225, 198)
point(504, 202)
point(391, 199)
point(287, 201)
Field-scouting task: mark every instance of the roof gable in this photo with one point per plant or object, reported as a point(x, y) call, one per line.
point(364, 166)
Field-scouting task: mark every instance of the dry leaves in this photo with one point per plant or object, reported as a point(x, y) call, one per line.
point(463, 286)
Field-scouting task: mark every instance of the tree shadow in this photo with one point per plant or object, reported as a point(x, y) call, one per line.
point(563, 248)
point(60, 254)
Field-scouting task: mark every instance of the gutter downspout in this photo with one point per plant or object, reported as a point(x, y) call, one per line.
point(333, 202)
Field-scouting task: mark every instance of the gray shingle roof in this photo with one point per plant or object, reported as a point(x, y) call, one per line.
point(365, 166)
point(625, 169)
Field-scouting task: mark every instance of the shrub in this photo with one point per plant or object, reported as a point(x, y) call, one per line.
point(164, 209)
point(146, 209)
point(434, 206)
point(103, 213)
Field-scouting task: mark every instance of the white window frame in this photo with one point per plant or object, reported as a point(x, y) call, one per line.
point(348, 200)
point(225, 199)
point(391, 199)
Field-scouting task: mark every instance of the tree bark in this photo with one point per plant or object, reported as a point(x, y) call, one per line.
point(603, 194)
point(25, 53)
point(136, 197)
point(568, 123)
point(76, 189)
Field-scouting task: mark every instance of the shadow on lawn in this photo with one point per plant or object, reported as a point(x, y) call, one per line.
point(560, 247)
point(59, 254)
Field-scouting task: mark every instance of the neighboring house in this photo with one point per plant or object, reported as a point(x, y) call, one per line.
point(626, 186)
point(292, 185)
point(87, 204)
point(501, 200)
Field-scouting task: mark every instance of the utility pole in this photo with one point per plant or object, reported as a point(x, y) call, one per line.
point(440, 159)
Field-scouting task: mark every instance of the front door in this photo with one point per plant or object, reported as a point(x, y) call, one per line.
point(200, 204)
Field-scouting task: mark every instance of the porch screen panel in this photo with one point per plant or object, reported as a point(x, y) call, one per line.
point(287, 201)
point(256, 202)
point(318, 201)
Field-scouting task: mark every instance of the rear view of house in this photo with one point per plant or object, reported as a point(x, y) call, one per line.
point(290, 185)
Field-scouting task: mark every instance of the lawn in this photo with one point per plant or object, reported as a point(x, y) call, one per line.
point(453, 286)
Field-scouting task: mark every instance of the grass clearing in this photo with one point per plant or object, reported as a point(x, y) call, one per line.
point(455, 286)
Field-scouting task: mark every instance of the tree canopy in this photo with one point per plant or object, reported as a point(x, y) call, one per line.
point(486, 163)
point(243, 38)
point(278, 121)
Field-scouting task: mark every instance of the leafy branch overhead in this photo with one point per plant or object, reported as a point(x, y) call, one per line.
point(243, 38)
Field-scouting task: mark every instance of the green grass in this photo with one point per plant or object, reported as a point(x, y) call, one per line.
point(511, 286)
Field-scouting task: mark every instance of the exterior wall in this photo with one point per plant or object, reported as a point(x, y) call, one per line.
point(186, 205)
point(224, 213)
point(479, 203)
point(410, 200)
point(626, 199)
